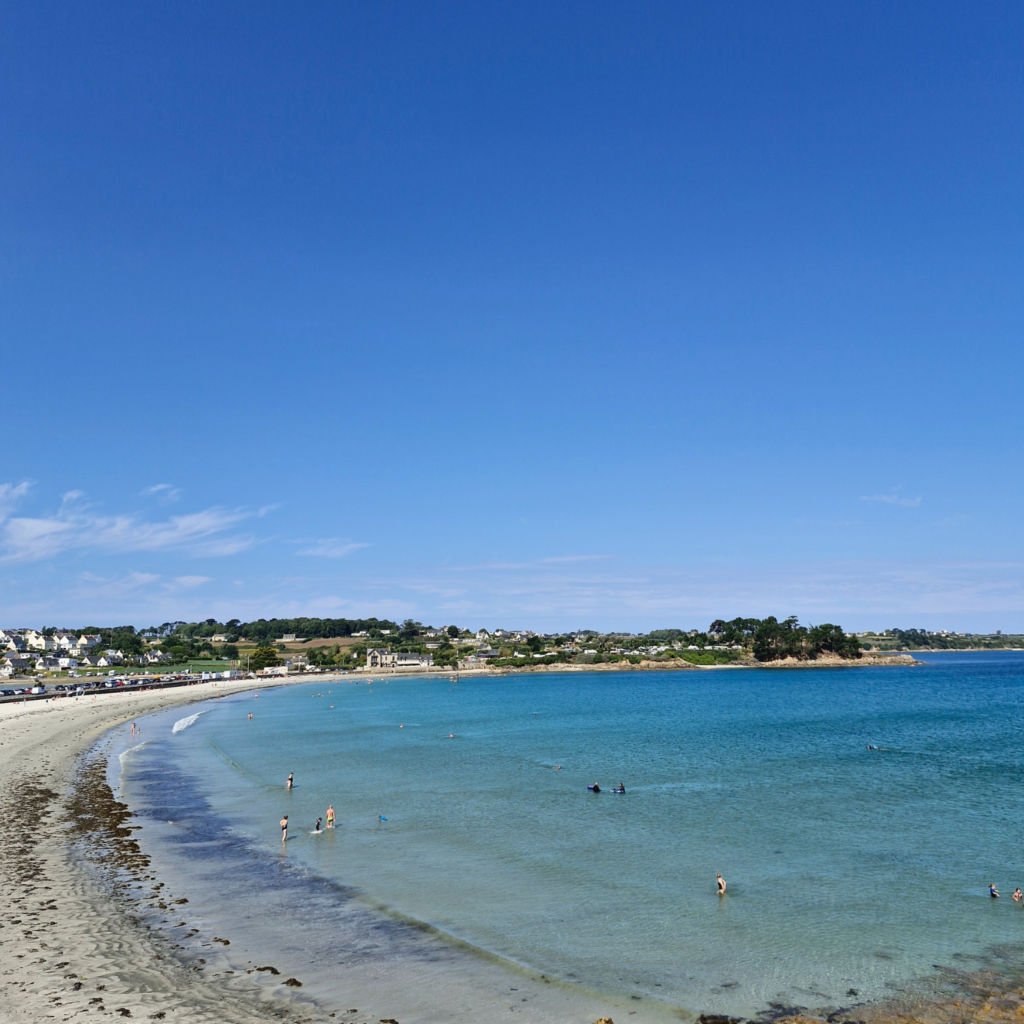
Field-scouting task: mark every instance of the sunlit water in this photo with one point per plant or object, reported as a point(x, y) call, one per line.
point(848, 868)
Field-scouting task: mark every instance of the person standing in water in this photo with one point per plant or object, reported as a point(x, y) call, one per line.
point(284, 829)
point(330, 816)
point(721, 885)
point(317, 829)
point(291, 780)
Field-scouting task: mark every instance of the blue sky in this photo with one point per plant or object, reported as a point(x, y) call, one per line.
point(550, 316)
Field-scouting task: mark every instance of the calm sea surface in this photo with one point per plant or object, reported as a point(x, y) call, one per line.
point(847, 867)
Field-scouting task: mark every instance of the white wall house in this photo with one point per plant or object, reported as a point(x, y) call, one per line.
point(413, 660)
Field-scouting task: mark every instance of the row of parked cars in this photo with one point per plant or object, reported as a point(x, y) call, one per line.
point(81, 686)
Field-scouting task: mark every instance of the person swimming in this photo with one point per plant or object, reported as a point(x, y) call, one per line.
point(594, 788)
point(621, 789)
point(1018, 895)
point(993, 891)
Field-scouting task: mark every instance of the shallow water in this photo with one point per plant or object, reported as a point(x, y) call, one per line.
point(848, 868)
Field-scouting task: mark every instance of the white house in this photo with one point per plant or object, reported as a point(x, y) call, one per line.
point(89, 640)
point(66, 662)
point(38, 642)
point(413, 660)
point(47, 664)
point(156, 657)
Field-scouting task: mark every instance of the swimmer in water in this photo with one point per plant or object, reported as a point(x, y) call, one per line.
point(721, 885)
point(993, 891)
point(621, 789)
point(250, 716)
point(291, 780)
point(317, 828)
point(595, 787)
point(380, 817)
point(1018, 895)
point(284, 828)
point(330, 816)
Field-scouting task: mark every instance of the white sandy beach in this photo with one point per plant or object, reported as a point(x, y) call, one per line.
point(72, 948)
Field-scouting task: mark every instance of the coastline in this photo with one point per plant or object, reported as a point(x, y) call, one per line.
point(886, 660)
point(79, 904)
point(66, 946)
point(62, 929)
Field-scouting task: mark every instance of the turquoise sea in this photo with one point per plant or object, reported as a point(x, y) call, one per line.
point(858, 816)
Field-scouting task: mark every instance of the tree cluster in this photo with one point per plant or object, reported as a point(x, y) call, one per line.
point(772, 640)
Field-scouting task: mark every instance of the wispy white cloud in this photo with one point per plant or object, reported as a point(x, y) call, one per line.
point(10, 495)
point(78, 526)
point(893, 498)
point(331, 547)
point(167, 492)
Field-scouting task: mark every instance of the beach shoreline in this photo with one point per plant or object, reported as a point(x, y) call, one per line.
point(79, 906)
point(70, 945)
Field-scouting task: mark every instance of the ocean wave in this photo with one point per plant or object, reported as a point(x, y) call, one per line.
point(184, 723)
point(131, 750)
